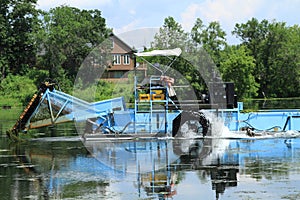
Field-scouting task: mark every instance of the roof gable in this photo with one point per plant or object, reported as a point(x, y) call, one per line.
point(120, 46)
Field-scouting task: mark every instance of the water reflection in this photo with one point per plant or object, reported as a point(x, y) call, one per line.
point(160, 169)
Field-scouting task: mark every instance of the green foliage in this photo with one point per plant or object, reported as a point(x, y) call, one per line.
point(212, 38)
point(104, 90)
point(37, 75)
point(77, 189)
point(196, 66)
point(171, 35)
point(18, 87)
point(284, 61)
point(67, 36)
point(266, 64)
point(124, 89)
point(36, 45)
point(237, 67)
point(9, 101)
point(275, 48)
point(18, 21)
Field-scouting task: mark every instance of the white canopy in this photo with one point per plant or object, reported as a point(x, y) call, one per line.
point(166, 52)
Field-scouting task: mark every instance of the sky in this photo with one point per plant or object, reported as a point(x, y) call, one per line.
point(128, 15)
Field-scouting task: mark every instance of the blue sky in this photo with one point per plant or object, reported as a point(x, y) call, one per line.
point(128, 15)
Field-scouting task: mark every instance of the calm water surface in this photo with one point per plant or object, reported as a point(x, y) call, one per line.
point(211, 168)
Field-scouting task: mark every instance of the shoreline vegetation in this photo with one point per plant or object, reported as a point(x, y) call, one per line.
point(36, 45)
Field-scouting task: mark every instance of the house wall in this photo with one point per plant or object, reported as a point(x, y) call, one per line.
point(122, 49)
point(123, 60)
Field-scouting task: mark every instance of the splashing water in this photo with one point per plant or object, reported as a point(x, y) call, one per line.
point(213, 141)
point(218, 132)
point(218, 129)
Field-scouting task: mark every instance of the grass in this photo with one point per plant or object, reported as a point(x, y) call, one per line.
point(8, 118)
point(7, 101)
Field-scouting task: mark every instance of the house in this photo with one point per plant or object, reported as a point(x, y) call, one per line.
point(123, 60)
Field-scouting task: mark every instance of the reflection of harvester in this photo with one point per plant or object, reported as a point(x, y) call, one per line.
point(159, 183)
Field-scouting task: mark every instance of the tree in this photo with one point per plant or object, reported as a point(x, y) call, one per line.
point(270, 45)
point(18, 20)
point(195, 65)
point(212, 38)
point(23, 88)
point(237, 67)
point(67, 37)
point(284, 60)
point(252, 34)
point(171, 35)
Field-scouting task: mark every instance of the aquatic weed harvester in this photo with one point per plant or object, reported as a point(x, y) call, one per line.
point(156, 111)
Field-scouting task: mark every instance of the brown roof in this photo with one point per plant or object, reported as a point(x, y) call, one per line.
point(124, 47)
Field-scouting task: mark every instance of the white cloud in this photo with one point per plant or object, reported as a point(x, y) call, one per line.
point(132, 12)
point(128, 27)
point(227, 12)
point(189, 16)
point(230, 12)
point(128, 15)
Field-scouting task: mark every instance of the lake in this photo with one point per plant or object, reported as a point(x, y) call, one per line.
point(211, 168)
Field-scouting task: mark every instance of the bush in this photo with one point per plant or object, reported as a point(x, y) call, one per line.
point(17, 88)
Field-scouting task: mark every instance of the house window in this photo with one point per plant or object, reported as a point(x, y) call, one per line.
point(116, 59)
point(126, 59)
point(117, 74)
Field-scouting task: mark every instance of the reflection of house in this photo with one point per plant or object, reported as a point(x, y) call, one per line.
point(123, 60)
